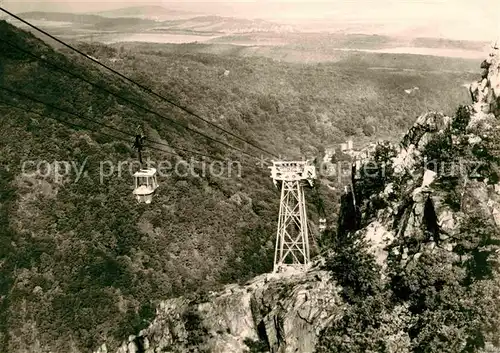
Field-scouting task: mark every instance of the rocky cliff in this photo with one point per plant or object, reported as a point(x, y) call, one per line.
point(428, 210)
point(282, 313)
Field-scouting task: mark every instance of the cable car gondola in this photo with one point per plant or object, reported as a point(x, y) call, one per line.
point(145, 185)
point(146, 182)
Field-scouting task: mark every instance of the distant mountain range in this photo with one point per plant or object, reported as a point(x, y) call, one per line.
point(154, 20)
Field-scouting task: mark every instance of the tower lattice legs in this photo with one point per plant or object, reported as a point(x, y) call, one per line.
point(292, 238)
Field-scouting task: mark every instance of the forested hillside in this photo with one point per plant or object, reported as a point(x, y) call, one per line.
point(314, 104)
point(80, 262)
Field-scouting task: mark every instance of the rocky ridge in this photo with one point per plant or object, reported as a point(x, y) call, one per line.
point(282, 313)
point(408, 194)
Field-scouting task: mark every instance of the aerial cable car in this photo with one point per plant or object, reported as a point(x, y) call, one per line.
point(145, 179)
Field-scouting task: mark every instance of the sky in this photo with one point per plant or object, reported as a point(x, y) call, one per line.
point(457, 19)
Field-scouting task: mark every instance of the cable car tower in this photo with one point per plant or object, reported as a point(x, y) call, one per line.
point(292, 237)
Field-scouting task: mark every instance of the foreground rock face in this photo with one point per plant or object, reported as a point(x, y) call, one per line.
point(279, 313)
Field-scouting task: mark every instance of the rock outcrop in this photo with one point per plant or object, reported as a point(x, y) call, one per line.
point(486, 92)
point(280, 313)
point(410, 196)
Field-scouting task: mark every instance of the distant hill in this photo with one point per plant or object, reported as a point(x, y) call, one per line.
point(148, 12)
point(89, 21)
point(230, 25)
point(61, 17)
point(315, 41)
point(449, 44)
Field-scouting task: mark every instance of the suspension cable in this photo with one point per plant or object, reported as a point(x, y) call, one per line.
point(21, 94)
point(148, 90)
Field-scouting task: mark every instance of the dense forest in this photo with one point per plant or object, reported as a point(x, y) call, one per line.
point(81, 262)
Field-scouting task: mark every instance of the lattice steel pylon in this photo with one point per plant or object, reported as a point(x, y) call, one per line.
point(292, 237)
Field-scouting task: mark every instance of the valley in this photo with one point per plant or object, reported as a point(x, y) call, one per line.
point(85, 268)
